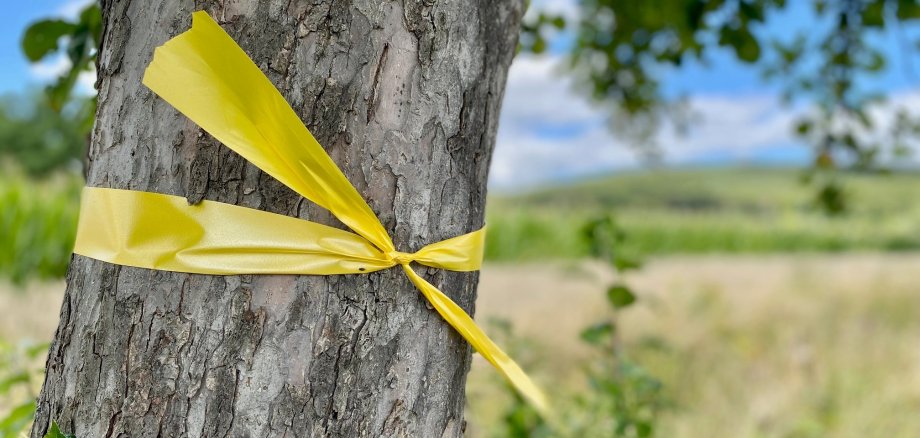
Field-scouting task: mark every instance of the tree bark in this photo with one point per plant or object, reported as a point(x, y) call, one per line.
point(405, 97)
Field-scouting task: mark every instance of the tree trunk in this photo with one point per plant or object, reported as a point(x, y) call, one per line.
point(405, 98)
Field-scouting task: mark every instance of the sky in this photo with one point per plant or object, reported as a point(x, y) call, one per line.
point(548, 133)
point(17, 74)
point(547, 130)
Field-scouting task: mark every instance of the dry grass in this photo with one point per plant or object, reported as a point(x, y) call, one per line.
point(748, 346)
point(30, 313)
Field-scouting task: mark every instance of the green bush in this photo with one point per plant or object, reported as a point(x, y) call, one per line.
point(38, 224)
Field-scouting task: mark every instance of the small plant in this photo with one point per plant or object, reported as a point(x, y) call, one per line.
point(20, 373)
point(624, 399)
point(520, 419)
point(78, 40)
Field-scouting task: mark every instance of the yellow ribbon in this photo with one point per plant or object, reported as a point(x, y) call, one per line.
point(205, 75)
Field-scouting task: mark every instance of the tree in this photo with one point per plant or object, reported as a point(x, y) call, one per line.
point(405, 97)
point(621, 47)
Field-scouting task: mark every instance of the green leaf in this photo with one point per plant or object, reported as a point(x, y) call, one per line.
point(15, 379)
point(91, 18)
point(558, 22)
point(598, 333)
point(874, 14)
point(620, 296)
point(908, 10)
point(55, 432)
point(18, 419)
point(41, 38)
point(624, 263)
point(876, 62)
point(746, 46)
point(539, 45)
point(803, 127)
point(751, 11)
point(832, 199)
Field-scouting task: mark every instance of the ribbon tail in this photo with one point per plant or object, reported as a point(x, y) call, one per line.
point(460, 321)
point(156, 231)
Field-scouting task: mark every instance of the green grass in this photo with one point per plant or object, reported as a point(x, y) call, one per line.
point(37, 226)
point(707, 211)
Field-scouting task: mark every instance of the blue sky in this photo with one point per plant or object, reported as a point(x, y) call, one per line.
point(724, 75)
point(17, 74)
point(549, 133)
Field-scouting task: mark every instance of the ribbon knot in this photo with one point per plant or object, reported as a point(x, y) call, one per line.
point(232, 100)
point(401, 258)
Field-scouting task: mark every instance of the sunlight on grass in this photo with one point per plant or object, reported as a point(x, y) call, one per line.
point(706, 211)
point(37, 226)
point(752, 346)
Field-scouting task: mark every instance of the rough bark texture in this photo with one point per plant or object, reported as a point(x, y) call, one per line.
point(405, 96)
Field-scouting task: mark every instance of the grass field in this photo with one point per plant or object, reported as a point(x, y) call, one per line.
point(747, 346)
point(38, 223)
point(707, 211)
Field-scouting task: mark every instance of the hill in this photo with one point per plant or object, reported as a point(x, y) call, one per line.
point(708, 211)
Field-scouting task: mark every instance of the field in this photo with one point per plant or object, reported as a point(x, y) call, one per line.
point(747, 346)
point(707, 211)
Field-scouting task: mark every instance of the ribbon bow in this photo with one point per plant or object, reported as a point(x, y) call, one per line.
point(205, 75)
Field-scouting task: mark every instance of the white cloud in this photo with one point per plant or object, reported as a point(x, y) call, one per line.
point(86, 83)
point(538, 98)
point(738, 126)
point(549, 132)
point(71, 9)
point(565, 8)
point(52, 68)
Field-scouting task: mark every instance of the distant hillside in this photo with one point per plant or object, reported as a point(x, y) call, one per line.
point(752, 190)
point(709, 210)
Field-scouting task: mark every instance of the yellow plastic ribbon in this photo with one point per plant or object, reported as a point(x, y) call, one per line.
point(205, 75)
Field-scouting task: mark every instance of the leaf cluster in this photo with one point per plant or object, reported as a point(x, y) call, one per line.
point(78, 40)
point(623, 49)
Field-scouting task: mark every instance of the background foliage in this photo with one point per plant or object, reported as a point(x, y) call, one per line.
point(621, 49)
point(38, 233)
